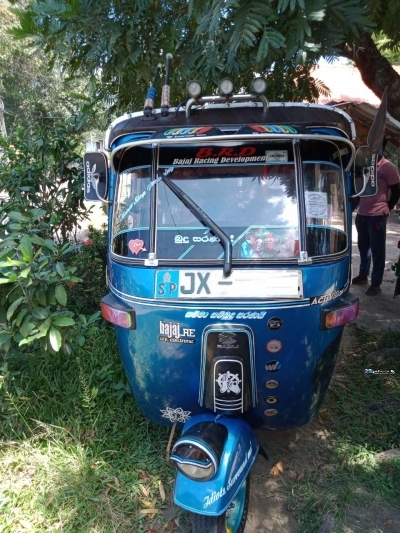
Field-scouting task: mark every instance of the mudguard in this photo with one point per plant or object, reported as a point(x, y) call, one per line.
point(214, 496)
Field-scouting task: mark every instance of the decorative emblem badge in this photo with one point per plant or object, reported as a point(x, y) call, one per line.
point(227, 339)
point(272, 384)
point(273, 366)
point(274, 323)
point(136, 246)
point(274, 346)
point(176, 415)
point(228, 383)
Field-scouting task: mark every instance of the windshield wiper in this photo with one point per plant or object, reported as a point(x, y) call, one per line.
point(206, 220)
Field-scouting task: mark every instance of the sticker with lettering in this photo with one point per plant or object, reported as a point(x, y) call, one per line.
point(274, 346)
point(226, 315)
point(217, 494)
point(174, 332)
point(271, 412)
point(136, 246)
point(274, 323)
point(272, 384)
point(314, 300)
point(273, 366)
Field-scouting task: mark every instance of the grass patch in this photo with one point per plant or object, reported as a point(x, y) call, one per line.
point(75, 453)
point(361, 418)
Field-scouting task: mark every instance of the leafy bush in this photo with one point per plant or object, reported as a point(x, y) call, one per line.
point(90, 262)
point(42, 168)
point(42, 172)
point(33, 280)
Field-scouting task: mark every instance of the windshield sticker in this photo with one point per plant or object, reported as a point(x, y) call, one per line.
point(173, 332)
point(328, 297)
point(136, 246)
point(271, 156)
point(140, 196)
point(316, 204)
point(264, 243)
point(227, 315)
point(180, 239)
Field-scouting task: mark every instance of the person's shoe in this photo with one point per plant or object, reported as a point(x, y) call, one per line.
point(373, 290)
point(360, 280)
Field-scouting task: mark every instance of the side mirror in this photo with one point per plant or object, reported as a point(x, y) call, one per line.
point(95, 166)
point(367, 156)
point(365, 172)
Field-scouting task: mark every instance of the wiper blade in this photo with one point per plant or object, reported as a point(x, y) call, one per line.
point(206, 220)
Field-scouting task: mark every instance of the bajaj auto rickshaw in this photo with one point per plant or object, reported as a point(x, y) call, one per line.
point(228, 271)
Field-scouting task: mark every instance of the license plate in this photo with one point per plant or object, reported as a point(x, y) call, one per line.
point(240, 284)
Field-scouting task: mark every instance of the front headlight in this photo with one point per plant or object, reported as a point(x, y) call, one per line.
point(198, 452)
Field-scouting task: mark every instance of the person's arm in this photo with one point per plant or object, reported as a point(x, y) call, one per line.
point(394, 195)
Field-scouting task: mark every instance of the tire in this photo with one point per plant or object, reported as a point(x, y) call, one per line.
point(232, 521)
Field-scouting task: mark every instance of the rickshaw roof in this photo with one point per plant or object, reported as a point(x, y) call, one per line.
point(226, 117)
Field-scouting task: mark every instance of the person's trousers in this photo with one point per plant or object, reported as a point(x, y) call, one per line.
point(372, 245)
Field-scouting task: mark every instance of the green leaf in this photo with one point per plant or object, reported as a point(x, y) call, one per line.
point(60, 269)
point(5, 280)
point(25, 273)
point(44, 327)
point(17, 217)
point(20, 317)
point(61, 295)
point(14, 226)
point(13, 307)
point(40, 313)
point(63, 321)
point(26, 326)
point(11, 263)
point(81, 340)
point(55, 339)
point(26, 248)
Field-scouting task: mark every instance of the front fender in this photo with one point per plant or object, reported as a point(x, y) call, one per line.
point(214, 496)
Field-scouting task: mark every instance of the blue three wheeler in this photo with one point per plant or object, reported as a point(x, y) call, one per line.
point(229, 265)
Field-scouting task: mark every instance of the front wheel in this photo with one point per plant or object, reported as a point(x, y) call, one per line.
point(232, 520)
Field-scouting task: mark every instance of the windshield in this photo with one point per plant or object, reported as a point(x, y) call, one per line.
point(253, 199)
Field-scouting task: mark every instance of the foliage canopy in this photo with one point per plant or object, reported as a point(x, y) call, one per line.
point(118, 44)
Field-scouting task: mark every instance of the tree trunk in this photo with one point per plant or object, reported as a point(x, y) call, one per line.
point(376, 71)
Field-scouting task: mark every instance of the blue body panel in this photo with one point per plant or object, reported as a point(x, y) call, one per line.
point(214, 496)
point(292, 372)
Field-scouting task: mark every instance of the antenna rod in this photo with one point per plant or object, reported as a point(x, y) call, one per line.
point(165, 94)
point(151, 94)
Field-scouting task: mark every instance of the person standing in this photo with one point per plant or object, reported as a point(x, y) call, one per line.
point(371, 220)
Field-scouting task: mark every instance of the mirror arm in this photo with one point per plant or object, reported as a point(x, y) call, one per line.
point(95, 180)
